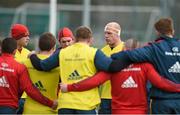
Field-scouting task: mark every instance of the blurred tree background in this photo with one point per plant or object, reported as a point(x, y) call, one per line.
point(136, 17)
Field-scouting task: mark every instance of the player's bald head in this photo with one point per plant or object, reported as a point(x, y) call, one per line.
point(113, 27)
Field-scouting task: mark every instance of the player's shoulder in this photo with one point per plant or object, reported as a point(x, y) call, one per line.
point(143, 64)
point(105, 47)
point(26, 50)
point(146, 65)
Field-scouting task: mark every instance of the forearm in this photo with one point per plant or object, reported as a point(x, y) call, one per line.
point(47, 64)
point(36, 62)
point(27, 86)
point(167, 85)
point(161, 82)
point(118, 65)
point(90, 83)
point(35, 94)
point(101, 61)
point(121, 61)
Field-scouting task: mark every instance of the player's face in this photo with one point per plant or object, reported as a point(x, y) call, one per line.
point(23, 41)
point(110, 36)
point(66, 41)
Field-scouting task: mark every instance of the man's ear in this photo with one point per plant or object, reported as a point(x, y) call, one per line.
point(54, 48)
point(157, 33)
point(173, 32)
point(91, 41)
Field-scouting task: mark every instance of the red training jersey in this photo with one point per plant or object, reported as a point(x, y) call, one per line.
point(129, 93)
point(14, 79)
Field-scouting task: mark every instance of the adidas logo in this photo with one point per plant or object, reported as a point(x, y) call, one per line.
point(40, 86)
point(129, 83)
point(74, 76)
point(3, 82)
point(175, 68)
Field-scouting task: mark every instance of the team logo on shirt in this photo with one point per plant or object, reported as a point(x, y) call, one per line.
point(175, 52)
point(129, 83)
point(175, 49)
point(76, 55)
point(131, 68)
point(3, 82)
point(40, 86)
point(4, 64)
point(175, 68)
point(74, 75)
point(4, 67)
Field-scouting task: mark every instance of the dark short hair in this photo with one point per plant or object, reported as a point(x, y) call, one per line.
point(46, 41)
point(83, 32)
point(8, 45)
point(164, 26)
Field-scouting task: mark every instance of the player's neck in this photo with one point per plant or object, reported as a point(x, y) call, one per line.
point(45, 52)
point(115, 44)
point(170, 36)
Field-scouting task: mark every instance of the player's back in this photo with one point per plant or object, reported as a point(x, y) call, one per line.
point(129, 88)
point(47, 83)
point(9, 80)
